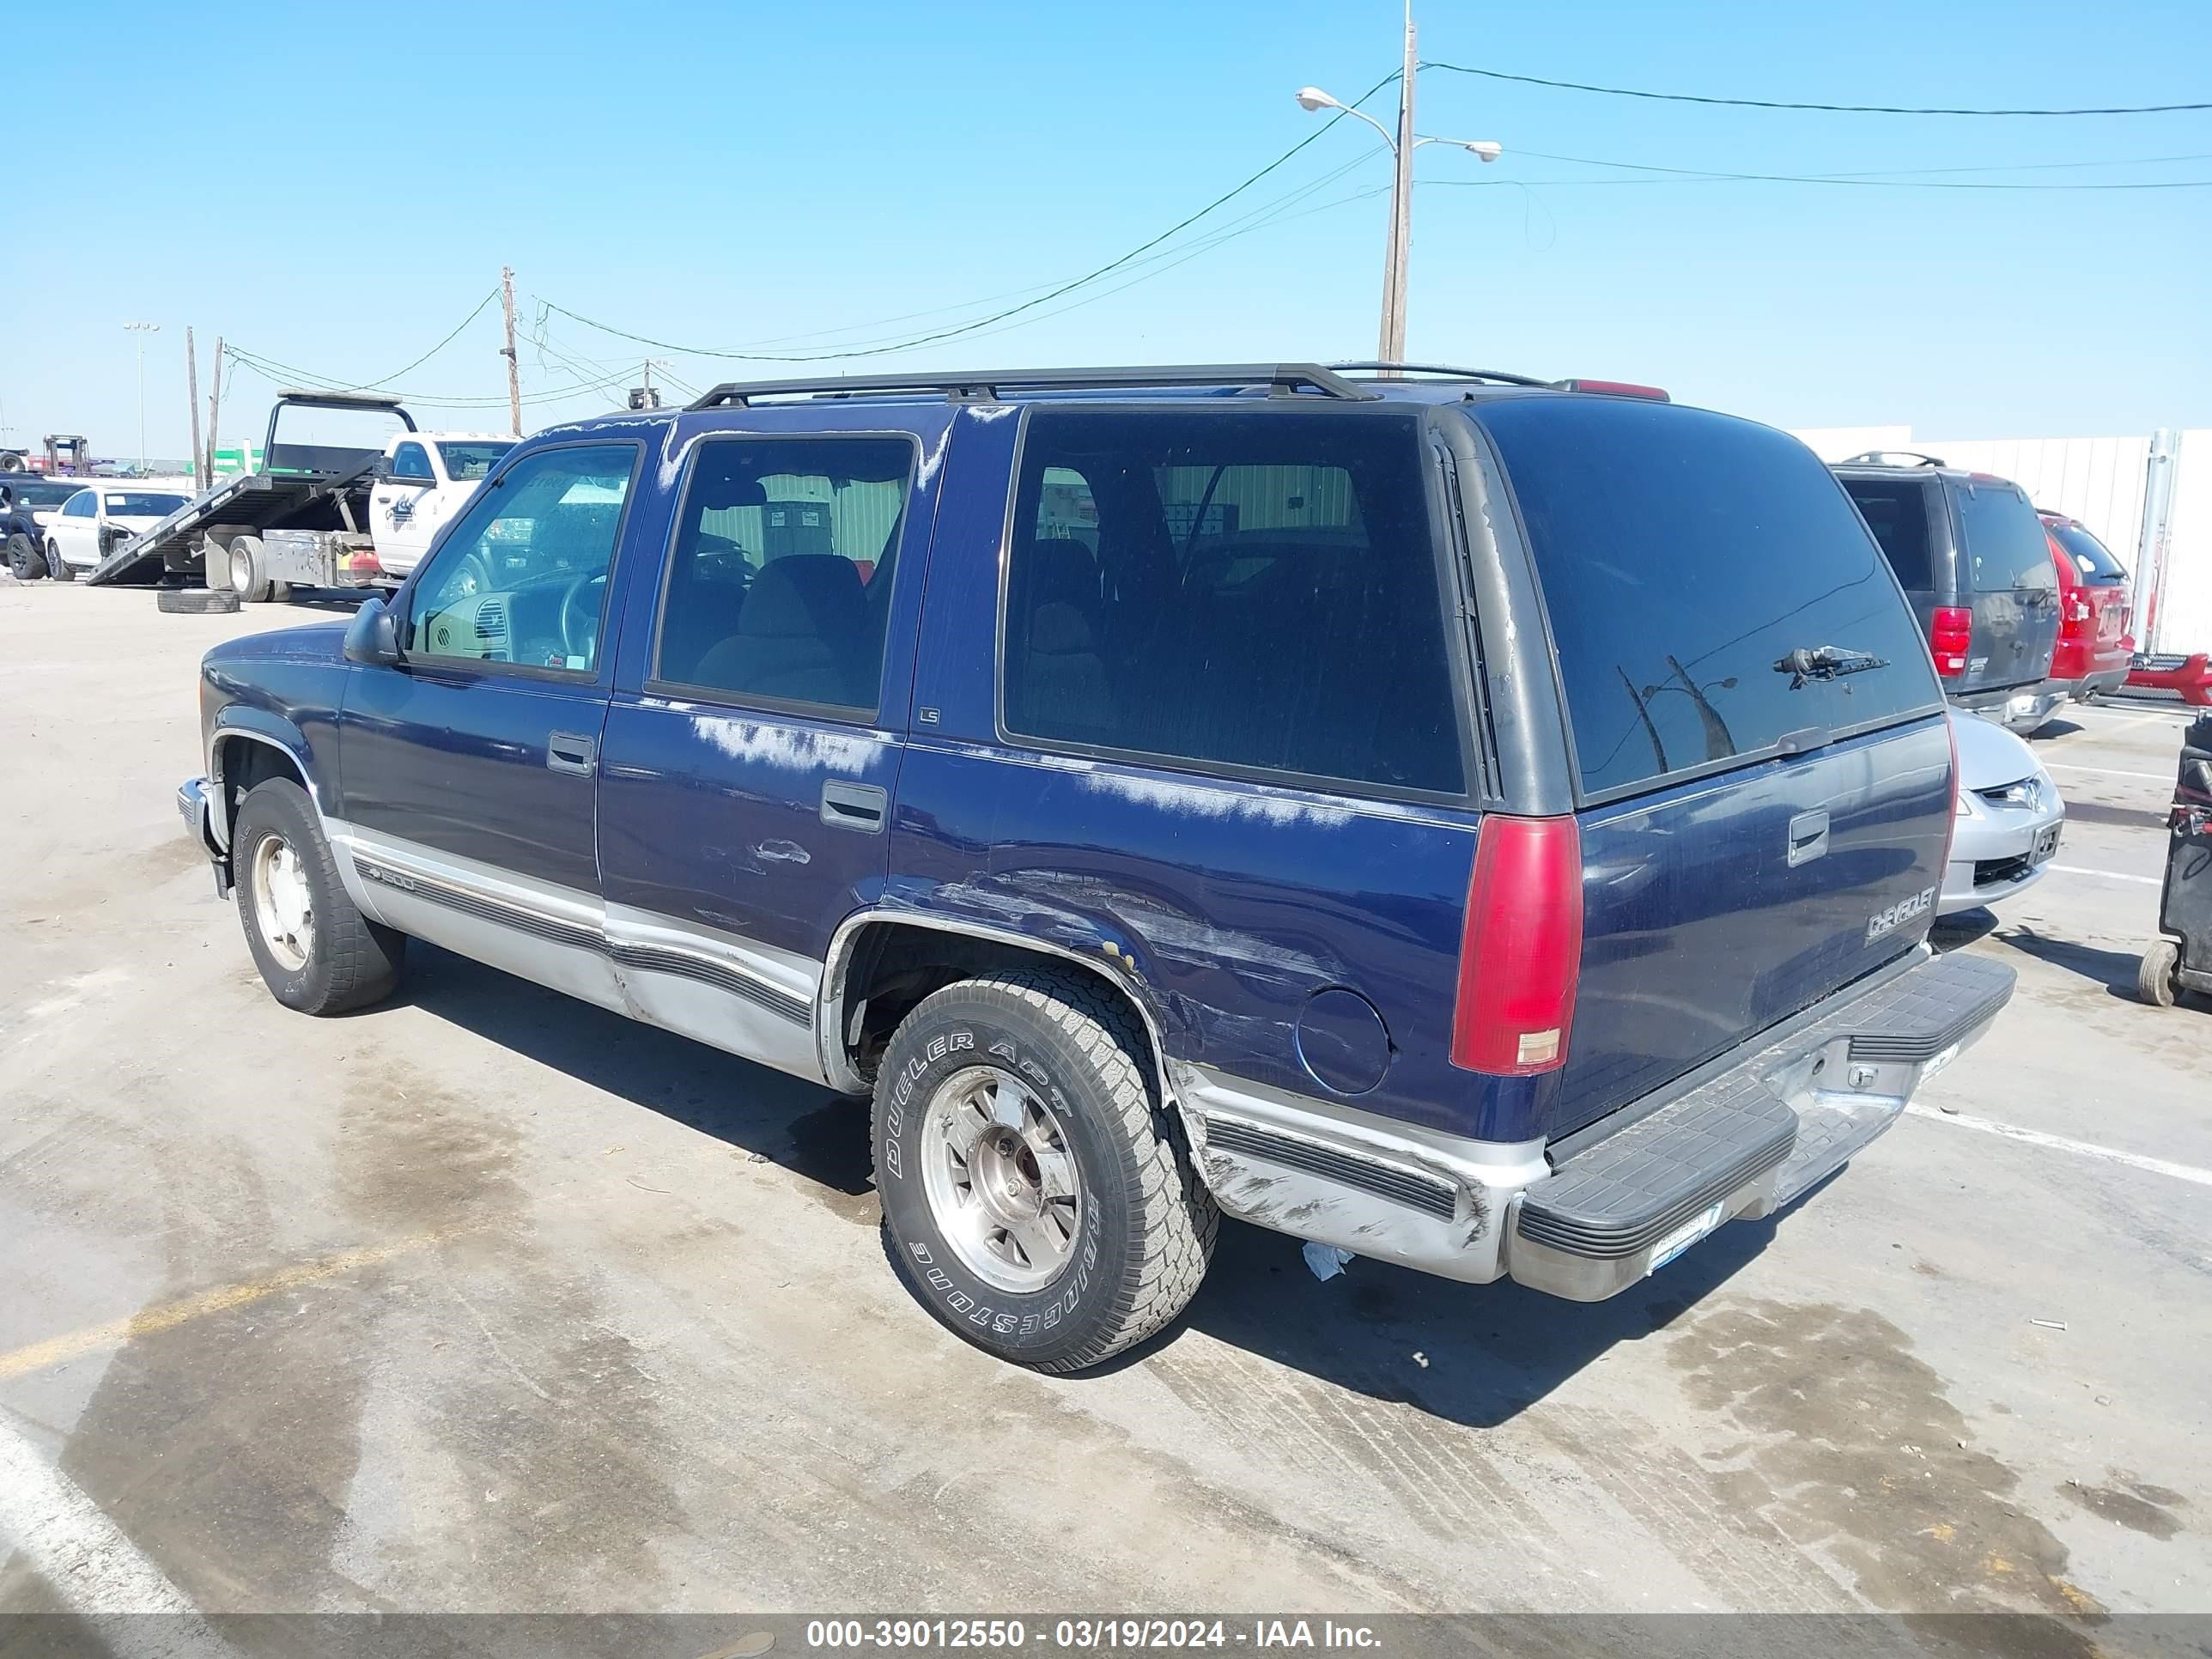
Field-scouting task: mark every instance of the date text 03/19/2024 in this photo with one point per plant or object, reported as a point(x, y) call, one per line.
point(1088, 1635)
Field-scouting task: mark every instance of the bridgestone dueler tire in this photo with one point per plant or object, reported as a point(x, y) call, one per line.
point(354, 961)
point(195, 601)
point(1148, 1222)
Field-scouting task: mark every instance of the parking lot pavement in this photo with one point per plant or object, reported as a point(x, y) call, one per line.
point(487, 1300)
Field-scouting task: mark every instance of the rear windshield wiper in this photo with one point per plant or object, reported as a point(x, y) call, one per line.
point(1824, 662)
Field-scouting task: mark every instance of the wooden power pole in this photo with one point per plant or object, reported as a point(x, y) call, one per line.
point(214, 409)
point(513, 367)
point(193, 408)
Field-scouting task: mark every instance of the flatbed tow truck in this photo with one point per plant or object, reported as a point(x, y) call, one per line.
point(303, 517)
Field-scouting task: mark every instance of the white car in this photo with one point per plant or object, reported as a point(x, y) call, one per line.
point(423, 481)
point(87, 526)
point(2008, 817)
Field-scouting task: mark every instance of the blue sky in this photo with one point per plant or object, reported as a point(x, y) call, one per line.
point(336, 194)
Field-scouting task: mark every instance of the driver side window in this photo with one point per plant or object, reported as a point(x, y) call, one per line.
point(522, 577)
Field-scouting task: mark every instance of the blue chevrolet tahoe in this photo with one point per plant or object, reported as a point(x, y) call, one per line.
point(1477, 823)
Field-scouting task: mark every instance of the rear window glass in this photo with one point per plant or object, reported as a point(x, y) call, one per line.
point(2091, 556)
point(1897, 515)
point(1235, 588)
point(2005, 542)
point(1683, 556)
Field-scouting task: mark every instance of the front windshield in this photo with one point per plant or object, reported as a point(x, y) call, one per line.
point(141, 504)
point(465, 462)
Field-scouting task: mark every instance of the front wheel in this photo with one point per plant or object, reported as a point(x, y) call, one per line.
point(1037, 1198)
point(2158, 979)
point(25, 563)
point(316, 952)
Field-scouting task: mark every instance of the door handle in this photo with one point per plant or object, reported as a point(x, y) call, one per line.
point(568, 751)
point(860, 807)
point(1808, 837)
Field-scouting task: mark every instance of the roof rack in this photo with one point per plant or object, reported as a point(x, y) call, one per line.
point(1282, 379)
point(1882, 458)
point(1457, 373)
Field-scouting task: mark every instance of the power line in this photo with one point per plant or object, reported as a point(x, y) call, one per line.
point(1703, 176)
point(954, 332)
point(1770, 103)
point(436, 349)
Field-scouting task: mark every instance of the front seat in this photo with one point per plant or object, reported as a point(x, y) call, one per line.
point(798, 634)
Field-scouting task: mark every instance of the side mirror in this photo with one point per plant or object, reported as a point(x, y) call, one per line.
point(372, 636)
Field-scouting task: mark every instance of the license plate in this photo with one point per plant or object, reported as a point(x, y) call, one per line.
point(1683, 1236)
point(2046, 843)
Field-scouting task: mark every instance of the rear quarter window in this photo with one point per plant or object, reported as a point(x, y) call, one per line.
point(1897, 511)
point(2006, 545)
point(1683, 554)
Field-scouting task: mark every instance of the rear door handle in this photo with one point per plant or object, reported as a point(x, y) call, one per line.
point(860, 807)
point(568, 751)
point(1808, 837)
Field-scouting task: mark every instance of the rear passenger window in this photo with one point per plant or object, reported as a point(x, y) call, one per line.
point(1683, 556)
point(779, 588)
point(1250, 589)
point(2007, 546)
point(1897, 515)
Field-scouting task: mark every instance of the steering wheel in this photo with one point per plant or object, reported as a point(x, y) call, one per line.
point(580, 626)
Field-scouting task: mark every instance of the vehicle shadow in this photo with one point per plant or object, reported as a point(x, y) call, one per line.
point(1491, 1351)
point(1477, 1355)
point(817, 1135)
point(2113, 970)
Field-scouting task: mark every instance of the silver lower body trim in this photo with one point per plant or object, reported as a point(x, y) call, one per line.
point(746, 999)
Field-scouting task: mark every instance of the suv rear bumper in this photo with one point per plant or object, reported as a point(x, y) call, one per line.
point(1742, 1141)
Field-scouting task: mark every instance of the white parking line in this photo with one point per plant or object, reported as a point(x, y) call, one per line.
point(86, 1560)
point(2106, 875)
point(2109, 771)
point(2061, 1144)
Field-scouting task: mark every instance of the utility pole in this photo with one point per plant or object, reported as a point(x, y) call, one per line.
point(1392, 348)
point(214, 410)
point(192, 408)
point(513, 364)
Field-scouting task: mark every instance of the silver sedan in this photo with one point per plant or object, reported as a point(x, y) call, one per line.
point(2009, 818)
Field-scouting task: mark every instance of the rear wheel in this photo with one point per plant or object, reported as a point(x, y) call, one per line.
point(2158, 979)
point(25, 563)
point(1037, 1198)
point(316, 952)
point(249, 577)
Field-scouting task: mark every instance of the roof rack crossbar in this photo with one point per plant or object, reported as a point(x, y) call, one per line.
point(1880, 458)
point(1454, 371)
point(1282, 378)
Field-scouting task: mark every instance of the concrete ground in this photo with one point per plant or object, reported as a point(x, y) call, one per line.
point(486, 1300)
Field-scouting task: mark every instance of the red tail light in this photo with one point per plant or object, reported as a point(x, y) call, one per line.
point(1951, 636)
point(2077, 612)
point(1520, 952)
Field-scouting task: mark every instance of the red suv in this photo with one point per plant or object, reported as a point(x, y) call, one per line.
point(2093, 609)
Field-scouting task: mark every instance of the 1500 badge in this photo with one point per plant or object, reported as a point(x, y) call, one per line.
point(1888, 921)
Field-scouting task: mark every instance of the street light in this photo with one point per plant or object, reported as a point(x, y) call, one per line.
point(1402, 145)
point(142, 329)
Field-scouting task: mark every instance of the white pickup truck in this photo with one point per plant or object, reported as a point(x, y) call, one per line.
point(422, 483)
